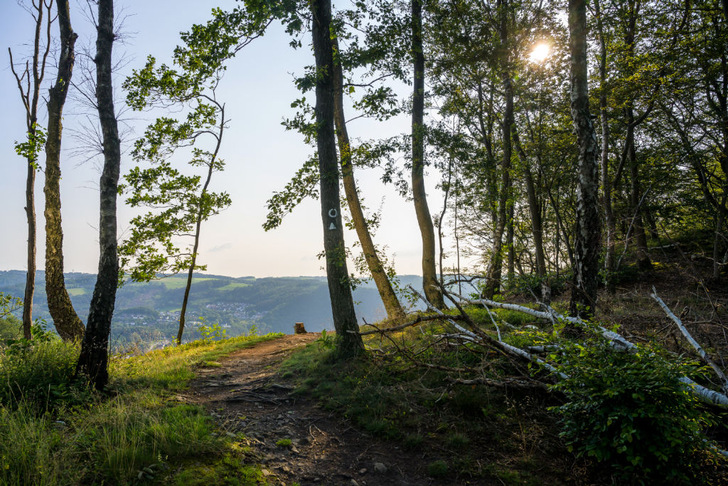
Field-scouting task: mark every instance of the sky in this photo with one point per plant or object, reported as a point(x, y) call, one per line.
point(261, 156)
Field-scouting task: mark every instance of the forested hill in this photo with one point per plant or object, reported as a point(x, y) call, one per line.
point(150, 311)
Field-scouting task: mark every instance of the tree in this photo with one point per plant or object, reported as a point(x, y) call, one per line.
point(180, 202)
point(65, 319)
point(587, 238)
point(349, 342)
point(376, 268)
point(419, 194)
point(29, 84)
point(93, 360)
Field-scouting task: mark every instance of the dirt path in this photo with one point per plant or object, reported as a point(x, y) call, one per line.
point(246, 395)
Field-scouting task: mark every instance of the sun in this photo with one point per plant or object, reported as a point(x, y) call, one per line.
point(539, 53)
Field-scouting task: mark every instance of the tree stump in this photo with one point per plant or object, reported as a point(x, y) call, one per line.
point(299, 329)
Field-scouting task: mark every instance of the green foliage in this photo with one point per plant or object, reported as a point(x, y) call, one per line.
point(40, 374)
point(305, 184)
point(212, 332)
point(285, 443)
point(629, 410)
point(178, 203)
point(437, 469)
point(31, 149)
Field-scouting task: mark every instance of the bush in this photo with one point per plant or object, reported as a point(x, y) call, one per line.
point(629, 411)
point(40, 373)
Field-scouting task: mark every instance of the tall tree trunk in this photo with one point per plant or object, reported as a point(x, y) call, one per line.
point(586, 245)
point(377, 270)
point(424, 219)
point(198, 225)
point(493, 277)
point(65, 319)
point(611, 228)
point(536, 222)
point(30, 96)
point(635, 196)
point(349, 342)
point(93, 361)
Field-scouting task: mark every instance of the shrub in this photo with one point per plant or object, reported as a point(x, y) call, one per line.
point(40, 373)
point(629, 410)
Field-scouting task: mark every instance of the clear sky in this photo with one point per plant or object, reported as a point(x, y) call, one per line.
point(260, 155)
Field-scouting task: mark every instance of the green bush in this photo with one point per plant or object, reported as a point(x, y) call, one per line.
point(40, 373)
point(629, 411)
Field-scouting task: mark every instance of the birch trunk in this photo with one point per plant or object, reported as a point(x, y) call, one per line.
point(93, 361)
point(586, 245)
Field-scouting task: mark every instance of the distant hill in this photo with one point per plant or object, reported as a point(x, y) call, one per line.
point(149, 312)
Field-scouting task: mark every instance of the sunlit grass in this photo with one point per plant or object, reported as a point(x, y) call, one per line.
point(141, 432)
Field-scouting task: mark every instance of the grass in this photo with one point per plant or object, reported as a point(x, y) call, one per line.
point(137, 433)
point(467, 432)
point(75, 292)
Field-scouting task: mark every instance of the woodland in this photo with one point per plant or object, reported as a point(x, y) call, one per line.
point(582, 153)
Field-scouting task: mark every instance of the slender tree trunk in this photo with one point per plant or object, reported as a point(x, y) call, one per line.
point(93, 361)
point(198, 226)
point(611, 227)
point(586, 245)
point(65, 319)
point(536, 222)
point(29, 85)
point(377, 270)
point(635, 196)
point(493, 278)
point(424, 219)
point(349, 342)
point(30, 275)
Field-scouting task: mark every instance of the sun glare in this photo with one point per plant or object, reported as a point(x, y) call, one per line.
point(539, 53)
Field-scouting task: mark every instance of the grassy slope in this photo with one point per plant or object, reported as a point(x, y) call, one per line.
point(53, 432)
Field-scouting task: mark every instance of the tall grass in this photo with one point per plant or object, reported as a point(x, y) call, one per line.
point(53, 431)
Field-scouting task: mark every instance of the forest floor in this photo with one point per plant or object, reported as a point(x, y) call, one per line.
point(294, 439)
point(297, 440)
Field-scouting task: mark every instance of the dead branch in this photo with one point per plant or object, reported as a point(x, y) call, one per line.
point(698, 348)
point(419, 319)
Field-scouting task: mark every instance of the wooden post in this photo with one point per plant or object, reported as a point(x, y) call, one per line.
point(299, 329)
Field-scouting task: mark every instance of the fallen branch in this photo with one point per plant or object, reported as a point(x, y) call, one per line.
point(419, 319)
point(705, 394)
point(691, 340)
point(505, 347)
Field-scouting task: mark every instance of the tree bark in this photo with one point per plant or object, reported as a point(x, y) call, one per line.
point(586, 251)
point(611, 228)
point(536, 222)
point(93, 361)
point(30, 95)
point(419, 194)
point(65, 319)
point(349, 342)
point(379, 274)
point(493, 278)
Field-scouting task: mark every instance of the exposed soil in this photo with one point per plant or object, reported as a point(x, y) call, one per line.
point(245, 395)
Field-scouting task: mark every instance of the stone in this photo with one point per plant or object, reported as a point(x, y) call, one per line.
point(380, 468)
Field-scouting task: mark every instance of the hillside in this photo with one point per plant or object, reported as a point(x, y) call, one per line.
point(149, 311)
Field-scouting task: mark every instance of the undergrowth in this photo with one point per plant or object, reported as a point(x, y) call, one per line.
point(53, 431)
point(466, 431)
point(620, 416)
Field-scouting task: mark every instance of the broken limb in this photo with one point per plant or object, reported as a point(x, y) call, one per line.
point(691, 340)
